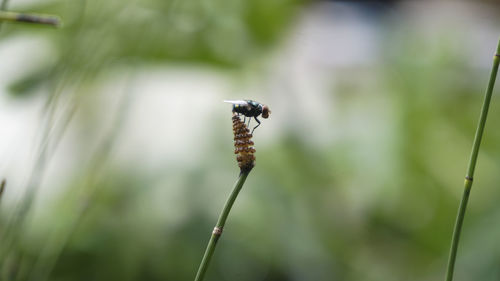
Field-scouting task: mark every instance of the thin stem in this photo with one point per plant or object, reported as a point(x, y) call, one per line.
point(29, 18)
point(2, 188)
point(3, 5)
point(220, 225)
point(472, 166)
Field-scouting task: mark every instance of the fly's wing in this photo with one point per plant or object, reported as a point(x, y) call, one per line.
point(240, 102)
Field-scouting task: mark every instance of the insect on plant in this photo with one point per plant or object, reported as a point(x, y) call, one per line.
point(250, 108)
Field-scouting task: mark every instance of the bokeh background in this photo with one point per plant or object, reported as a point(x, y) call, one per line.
point(118, 153)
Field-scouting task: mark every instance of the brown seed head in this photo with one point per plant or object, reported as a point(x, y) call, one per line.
point(243, 145)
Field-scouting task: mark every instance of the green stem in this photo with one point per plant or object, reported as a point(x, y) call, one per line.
point(220, 225)
point(3, 5)
point(472, 166)
point(2, 188)
point(29, 18)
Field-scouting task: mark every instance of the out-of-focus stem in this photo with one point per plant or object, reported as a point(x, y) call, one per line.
point(30, 18)
point(3, 5)
point(217, 232)
point(2, 188)
point(472, 166)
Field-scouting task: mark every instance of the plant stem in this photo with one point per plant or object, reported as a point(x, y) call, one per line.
point(3, 5)
point(220, 225)
point(472, 165)
point(2, 188)
point(29, 18)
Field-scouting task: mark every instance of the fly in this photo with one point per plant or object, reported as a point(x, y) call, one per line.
point(250, 108)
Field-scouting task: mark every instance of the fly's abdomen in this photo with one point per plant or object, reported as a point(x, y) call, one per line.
point(240, 109)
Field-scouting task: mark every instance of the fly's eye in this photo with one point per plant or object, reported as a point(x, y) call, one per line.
point(265, 111)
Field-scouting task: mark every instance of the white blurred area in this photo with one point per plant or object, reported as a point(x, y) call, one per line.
point(172, 111)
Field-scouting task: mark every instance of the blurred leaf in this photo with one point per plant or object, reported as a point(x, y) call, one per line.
point(29, 83)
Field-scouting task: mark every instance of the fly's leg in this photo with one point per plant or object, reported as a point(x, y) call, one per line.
point(257, 124)
point(249, 118)
point(244, 118)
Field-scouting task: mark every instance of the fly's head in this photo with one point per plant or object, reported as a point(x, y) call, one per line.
point(265, 111)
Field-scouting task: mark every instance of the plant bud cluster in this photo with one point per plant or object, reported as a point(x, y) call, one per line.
point(243, 145)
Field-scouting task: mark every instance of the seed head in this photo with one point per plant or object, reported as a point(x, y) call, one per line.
point(243, 145)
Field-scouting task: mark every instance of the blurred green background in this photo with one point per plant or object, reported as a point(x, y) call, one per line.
point(118, 153)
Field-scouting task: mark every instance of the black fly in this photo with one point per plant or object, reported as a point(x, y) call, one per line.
point(250, 108)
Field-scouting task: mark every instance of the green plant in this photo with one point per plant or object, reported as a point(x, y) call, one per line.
point(246, 161)
point(469, 176)
point(29, 18)
point(2, 188)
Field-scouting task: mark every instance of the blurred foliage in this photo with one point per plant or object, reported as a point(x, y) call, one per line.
point(376, 204)
point(99, 34)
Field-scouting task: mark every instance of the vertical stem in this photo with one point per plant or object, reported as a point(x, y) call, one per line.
point(220, 225)
point(3, 5)
point(472, 166)
point(2, 188)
